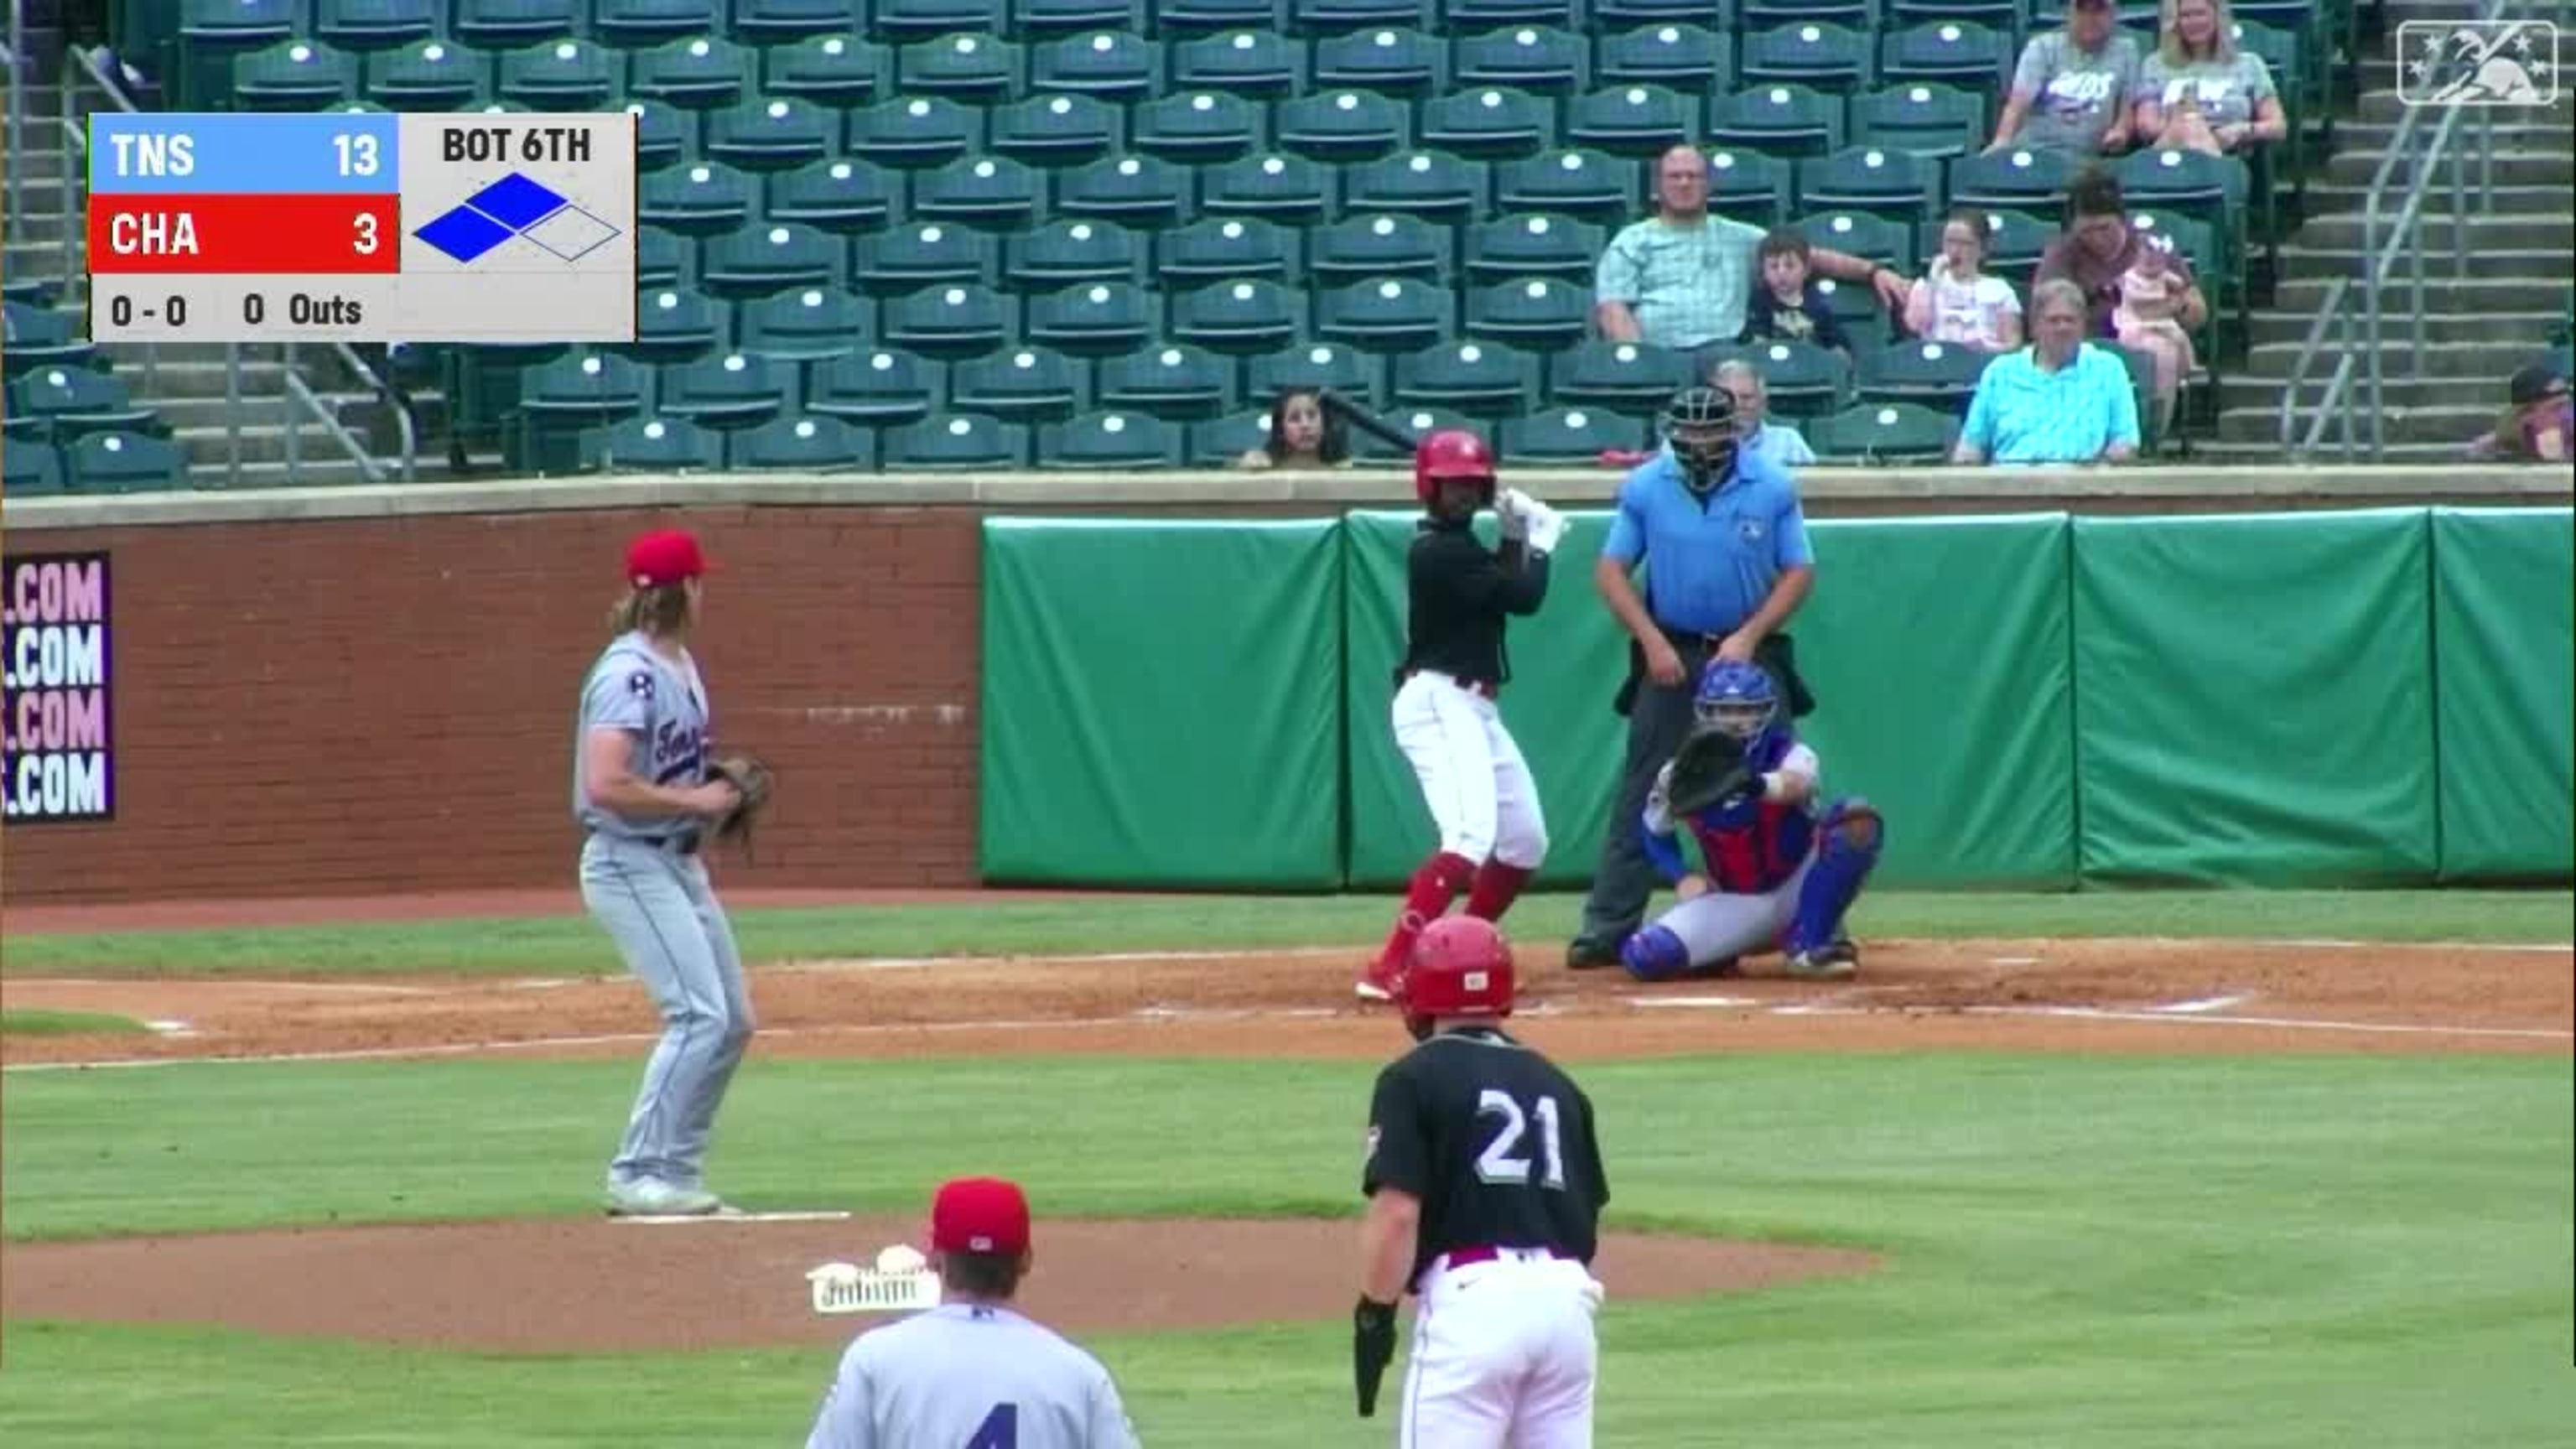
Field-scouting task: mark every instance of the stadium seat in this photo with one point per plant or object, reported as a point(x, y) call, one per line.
point(784, 22)
point(1857, 308)
point(1094, 319)
point(699, 200)
point(1886, 432)
point(1341, 127)
point(1542, 60)
point(805, 444)
point(838, 196)
point(1627, 377)
point(1569, 436)
point(295, 75)
point(1483, 378)
point(372, 25)
point(1937, 375)
point(426, 75)
point(961, 319)
point(756, 261)
point(1143, 192)
point(1037, 19)
point(806, 324)
point(30, 291)
point(1758, 14)
point(559, 75)
point(664, 258)
point(735, 390)
point(1862, 234)
point(1534, 314)
point(698, 73)
point(1947, 53)
point(1072, 250)
point(1379, 245)
point(1922, 118)
point(1893, 183)
point(1403, 63)
point(901, 21)
point(1804, 380)
point(1347, 370)
point(1781, 118)
point(975, 69)
point(211, 35)
point(1111, 440)
point(1636, 121)
point(1052, 131)
point(1532, 246)
point(124, 463)
point(1488, 124)
point(1200, 17)
point(1171, 381)
point(994, 193)
point(2210, 188)
point(634, 24)
point(500, 25)
point(30, 469)
point(1323, 16)
point(1429, 184)
point(1462, 15)
point(1827, 57)
point(2015, 179)
point(1629, 14)
point(1368, 450)
point(1688, 58)
point(878, 387)
point(1748, 186)
point(780, 133)
point(1588, 186)
point(651, 445)
point(560, 399)
point(1219, 247)
point(37, 336)
point(65, 402)
point(915, 132)
point(1387, 314)
point(664, 134)
point(1291, 190)
point(1245, 63)
point(1026, 384)
point(1995, 14)
point(839, 71)
point(1218, 442)
point(1244, 315)
point(677, 324)
point(956, 442)
point(1197, 128)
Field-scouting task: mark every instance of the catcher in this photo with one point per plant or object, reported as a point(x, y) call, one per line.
point(1779, 873)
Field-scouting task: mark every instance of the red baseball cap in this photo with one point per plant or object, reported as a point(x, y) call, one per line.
point(664, 556)
point(979, 1215)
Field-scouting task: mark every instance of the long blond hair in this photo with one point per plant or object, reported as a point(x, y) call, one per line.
point(2222, 35)
point(661, 610)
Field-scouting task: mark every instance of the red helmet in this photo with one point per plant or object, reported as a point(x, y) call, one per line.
point(1461, 966)
point(1450, 453)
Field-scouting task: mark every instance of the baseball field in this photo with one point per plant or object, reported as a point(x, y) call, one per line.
point(2230, 1170)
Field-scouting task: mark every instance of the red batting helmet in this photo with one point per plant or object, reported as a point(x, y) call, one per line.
point(1451, 453)
point(1461, 966)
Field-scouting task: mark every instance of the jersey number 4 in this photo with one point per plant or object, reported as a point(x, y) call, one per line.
point(1506, 1158)
point(1000, 1429)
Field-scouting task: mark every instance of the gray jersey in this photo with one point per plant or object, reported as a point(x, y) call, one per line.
point(969, 1376)
point(663, 705)
point(2075, 94)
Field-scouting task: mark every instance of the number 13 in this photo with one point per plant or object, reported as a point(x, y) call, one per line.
point(366, 242)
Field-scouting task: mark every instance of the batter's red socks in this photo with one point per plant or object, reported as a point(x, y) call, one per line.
point(1434, 886)
point(1497, 886)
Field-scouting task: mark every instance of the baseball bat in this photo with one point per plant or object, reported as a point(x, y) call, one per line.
point(1367, 421)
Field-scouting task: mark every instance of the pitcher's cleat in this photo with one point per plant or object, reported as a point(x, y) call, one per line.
point(647, 1197)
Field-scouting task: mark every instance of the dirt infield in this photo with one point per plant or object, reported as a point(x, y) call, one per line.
point(743, 1284)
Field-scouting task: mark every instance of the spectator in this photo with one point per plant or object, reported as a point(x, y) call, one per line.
point(1778, 442)
point(2540, 424)
point(1790, 308)
point(2072, 89)
point(2198, 92)
point(1302, 434)
point(2150, 301)
point(2059, 400)
point(2098, 247)
point(1958, 301)
point(1682, 278)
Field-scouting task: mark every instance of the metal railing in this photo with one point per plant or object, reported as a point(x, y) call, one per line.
point(17, 118)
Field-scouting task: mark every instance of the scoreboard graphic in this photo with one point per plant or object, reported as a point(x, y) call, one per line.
point(362, 227)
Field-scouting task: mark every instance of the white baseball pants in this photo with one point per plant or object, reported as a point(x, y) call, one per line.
point(1471, 772)
point(1715, 925)
point(1504, 1356)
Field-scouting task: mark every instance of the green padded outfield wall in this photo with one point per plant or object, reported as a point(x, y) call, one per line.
point(1162, 703)
point(2253, 699)
point(2504, 637)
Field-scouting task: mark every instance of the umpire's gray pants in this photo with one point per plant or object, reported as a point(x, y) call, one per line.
point(1624, 880)
point(659, 908)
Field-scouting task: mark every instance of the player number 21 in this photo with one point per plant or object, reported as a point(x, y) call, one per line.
point(357, 153)
point(366, 242)
point(1504, 1159)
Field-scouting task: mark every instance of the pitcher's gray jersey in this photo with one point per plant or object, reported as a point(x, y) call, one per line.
point(969, 1376)
point(663, 702)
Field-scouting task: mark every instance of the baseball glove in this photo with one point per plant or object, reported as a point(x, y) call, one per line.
point(1709, 767)
point(754, 780)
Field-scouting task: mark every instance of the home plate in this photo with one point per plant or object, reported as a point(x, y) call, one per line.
point(1701, 1001)
point(737, 1217)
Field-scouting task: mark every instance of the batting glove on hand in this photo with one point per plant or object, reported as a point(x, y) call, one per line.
point(1511, 512)
point(1546, 528)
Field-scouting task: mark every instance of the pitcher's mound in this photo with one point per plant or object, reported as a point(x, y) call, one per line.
point(575, 1287)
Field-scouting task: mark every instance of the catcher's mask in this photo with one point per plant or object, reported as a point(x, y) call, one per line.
point(1735, 698)
point(1700, 424)
point(1452, 454)
point(1461, 966)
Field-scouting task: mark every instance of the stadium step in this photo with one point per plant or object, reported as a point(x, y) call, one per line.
point(2265, 328)
point(2484, 235)
point(2350, 198)
point(2445, 428)
point(2483, 293)
point(2356, 163)
point(2480, 362)
point(2381, 105)
point(2227, 452)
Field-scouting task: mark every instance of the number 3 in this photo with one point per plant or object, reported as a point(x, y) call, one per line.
point(1000, 1429)
point(1498, 1162)
point(366, 242)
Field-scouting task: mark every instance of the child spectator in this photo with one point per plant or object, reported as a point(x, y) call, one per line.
point(1790, 307)
point(2150, 311)
point(1957, 301)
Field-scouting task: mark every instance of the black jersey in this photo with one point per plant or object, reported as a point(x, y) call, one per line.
point(1495, 1140)
point(1458, 592)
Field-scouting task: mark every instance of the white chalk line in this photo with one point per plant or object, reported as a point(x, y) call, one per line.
point(732, 1219)
point(2205, 1004)
point(2288, 1023)
point(218, 983)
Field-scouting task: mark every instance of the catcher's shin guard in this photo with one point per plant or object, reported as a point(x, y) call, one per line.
point(1655, 954)
point(1438, 882)
point(1847, 846)
point(1497, 886)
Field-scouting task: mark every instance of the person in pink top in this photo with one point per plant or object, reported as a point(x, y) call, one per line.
point(1957, 300)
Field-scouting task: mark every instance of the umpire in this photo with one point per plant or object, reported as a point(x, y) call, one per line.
point(1729, 565)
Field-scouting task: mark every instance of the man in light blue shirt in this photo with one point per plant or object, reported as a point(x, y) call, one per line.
point(1725, 542)
point(2059, 400)
point(1779, 442)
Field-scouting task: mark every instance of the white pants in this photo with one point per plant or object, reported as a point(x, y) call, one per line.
point(1715, 925)
point(1471, 771)
point(1504, 1357)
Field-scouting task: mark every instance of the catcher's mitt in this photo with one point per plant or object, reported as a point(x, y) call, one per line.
point(1709, 767)
point(754, 780)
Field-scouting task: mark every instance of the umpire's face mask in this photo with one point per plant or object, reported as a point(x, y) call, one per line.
point(1707, 455)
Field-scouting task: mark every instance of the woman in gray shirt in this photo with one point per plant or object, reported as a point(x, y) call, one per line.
point(2198, 92)
point(2073, 88)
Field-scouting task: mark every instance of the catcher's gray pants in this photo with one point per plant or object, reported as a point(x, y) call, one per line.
point(659, 908)
point(1716, 925)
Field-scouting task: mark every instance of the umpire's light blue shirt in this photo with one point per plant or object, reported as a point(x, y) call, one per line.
point(2024, 414)
point(1710, 562)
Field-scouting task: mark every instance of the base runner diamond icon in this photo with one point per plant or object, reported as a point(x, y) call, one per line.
point(516, 208)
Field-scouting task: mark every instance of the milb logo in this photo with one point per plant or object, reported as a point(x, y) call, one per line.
point(515, 207)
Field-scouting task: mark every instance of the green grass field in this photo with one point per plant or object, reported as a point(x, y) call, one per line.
point(67, 1023)
point(2098, 1253)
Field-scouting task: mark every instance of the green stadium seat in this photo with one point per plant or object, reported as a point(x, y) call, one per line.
point(960, 319)
point(1197, 128)
point(1804, 380)
point(1094, 319)
point(1543, 60)
point(1379, 245)
point(1533, 246)
point(1219, 247)
point(925, 253)
point(1291, 190)
point(731, 391)
point(1341, 127)
point(1892, 183)
point(1051, 131)
point(1171, 381)
point(210, 36)
point(1071, 250)
point(1862, 234)
point(29, 291)
point(806, 324)
point(1589, 186)
point(1748, 185)
point(558, 400)
point(1828, 57)
point(912, 133)
point(1218, 442)
point(2014, 241)
point(294, 75)
point(1691, 59)
point(1947, 53)
point(36, 336)
point(699, 200)
point(124, 463)
point(1387, 314)
point(1324, 16)
point(904, 21)
point(651, 445)
point(1758, 14)
point(2003, 15)
point(1636, 121)
point(1143, 192)
point(840, 71)
point(975, 69)
point(779, 133)
point(664, 258)
point(1922, 118)
point(1570, 436)
point(1345, 369)
point(1465, 15)
point(2197, 240)
point(1630, 14)
point(1111, 440)
point(677, 324)
point(788, 22)
point(499, 25)
point(840, 196)
point(1489, 124)
point(879, 386)
point(2195, 183)
point(2015, 179)
point(1033, 19)
point(372, 25)
point(1534, 314)
point(1243, 315)
point(426, 75)
point(1389, 61)
point(664, 134)
point(1779, 118)
point(1856, 307)
point(994, 193)
point(1628, 377)
point(1243, 62)
point(65, 402)
point(1884, 432)
point(1027, 385)
point(959, 442)
point(699, 73)
point(636, 24)
point(31, 469)
point(1488, 379)
point(1937, 375)
point(1201, 17)
point(1368, 450)
point(1429, 184)
point(757, 261)
point(559, 75)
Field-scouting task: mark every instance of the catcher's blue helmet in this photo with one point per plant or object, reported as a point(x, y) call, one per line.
point(1735, 697)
